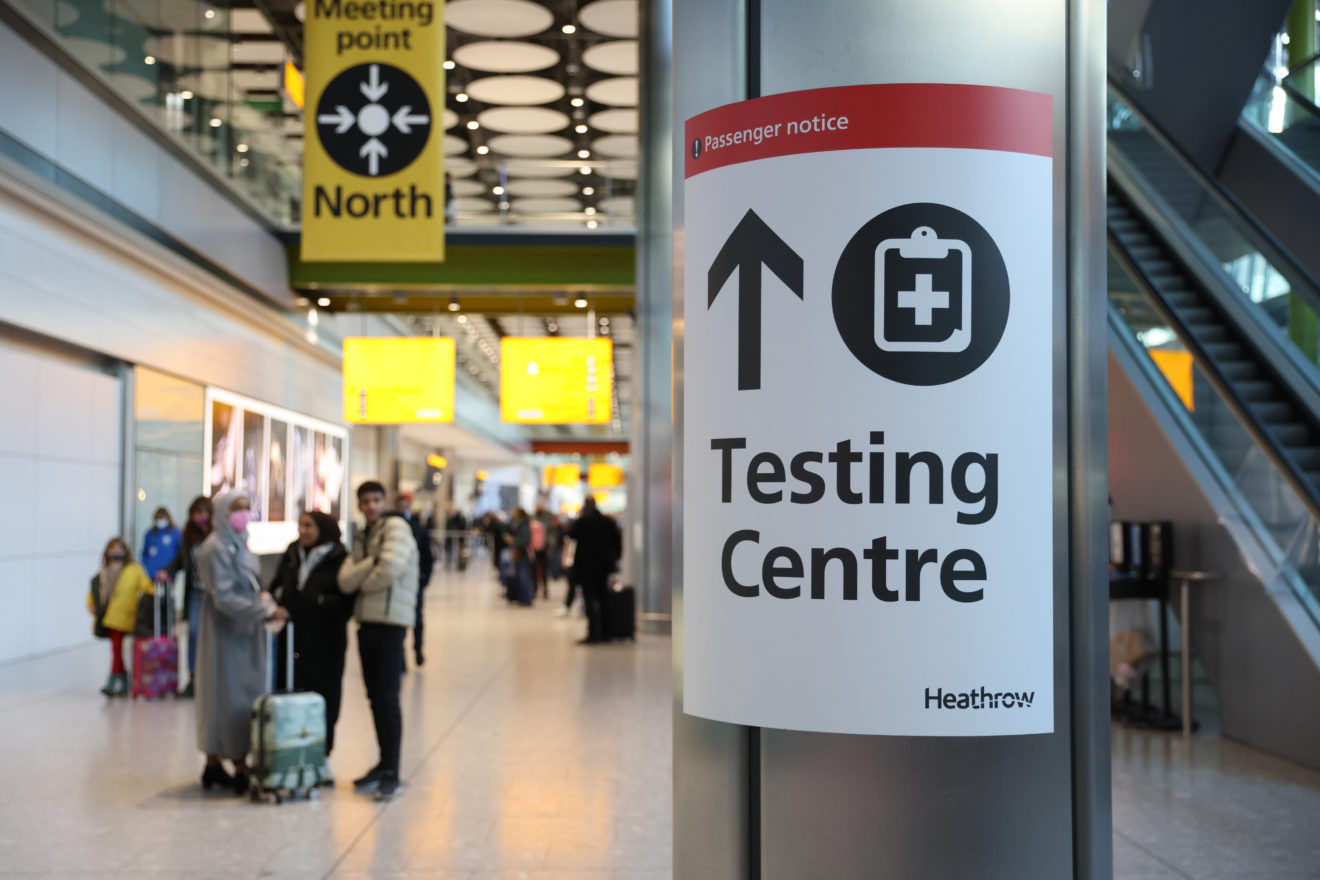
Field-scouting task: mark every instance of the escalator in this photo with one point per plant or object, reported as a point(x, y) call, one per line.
point(1216, 331)
point(1284, 110)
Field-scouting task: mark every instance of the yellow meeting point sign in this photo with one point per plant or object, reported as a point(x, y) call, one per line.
point(556, 380)
point(373, 155)
point(400, 380)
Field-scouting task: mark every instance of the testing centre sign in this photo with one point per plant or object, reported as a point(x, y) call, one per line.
point(868, 507)
point(373, 154)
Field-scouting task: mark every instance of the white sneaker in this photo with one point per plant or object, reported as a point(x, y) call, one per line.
point(561, 611)
point(327, 776)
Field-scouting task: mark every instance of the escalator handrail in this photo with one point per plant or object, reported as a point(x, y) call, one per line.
point(1124, 343)
point(1307, 104)
point(1296, 478)
point(1290, 370)
point(1299, 278)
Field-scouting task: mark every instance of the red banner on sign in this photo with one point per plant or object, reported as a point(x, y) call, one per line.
point(871, 117)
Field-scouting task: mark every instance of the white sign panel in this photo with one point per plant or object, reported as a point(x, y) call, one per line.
point(868, 534)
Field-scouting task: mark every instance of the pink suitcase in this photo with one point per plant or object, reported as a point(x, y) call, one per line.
point(156, 660)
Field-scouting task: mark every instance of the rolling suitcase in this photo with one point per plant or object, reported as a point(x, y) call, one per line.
point(156, 658)
point(288, 737)
point(620, 612)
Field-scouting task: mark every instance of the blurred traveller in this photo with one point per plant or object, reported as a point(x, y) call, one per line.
point(383, 571)
point(160, 546)
point(494, 531)
point(540, 547)
point(307, 584)
point(519, 538)
point(113, 600)
point(597, 547)
point(456, 526)
point(425, 565)
point(231, 642)
point(195, 531)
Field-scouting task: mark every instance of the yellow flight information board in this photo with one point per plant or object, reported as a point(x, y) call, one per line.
point(398, 380)
point(556, 380)
point(373, 155)
point(561, 475)
point(604, 476)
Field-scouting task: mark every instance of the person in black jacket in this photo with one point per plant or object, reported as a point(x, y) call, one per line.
point(599, 546)
point(425, 566)
point(306, 584)
point(194, 533)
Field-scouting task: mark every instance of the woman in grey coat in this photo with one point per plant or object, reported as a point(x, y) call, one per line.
point(231, 642)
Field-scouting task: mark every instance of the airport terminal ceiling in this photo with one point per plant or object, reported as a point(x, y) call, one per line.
point(540, 136)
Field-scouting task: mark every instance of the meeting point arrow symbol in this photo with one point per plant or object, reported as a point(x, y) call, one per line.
point(342, 119)
point(374, 150)
point(751, 244)
point(373, 89)
point(404, 119)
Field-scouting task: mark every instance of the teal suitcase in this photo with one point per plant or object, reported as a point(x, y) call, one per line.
point(288, 740)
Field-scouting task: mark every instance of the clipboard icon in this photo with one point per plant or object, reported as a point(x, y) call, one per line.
point(923, 288)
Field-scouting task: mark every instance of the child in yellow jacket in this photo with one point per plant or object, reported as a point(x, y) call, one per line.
point(112, 600)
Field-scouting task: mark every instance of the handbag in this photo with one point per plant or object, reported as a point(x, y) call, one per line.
point(98, 612)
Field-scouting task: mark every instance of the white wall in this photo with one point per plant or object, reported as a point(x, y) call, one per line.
point(60, 439)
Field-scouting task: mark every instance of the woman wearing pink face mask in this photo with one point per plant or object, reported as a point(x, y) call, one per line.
point(231, 642)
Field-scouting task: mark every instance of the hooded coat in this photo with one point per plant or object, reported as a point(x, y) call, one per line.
point(231, 637)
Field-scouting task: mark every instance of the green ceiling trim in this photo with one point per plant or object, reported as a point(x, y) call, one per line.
point(534, 267)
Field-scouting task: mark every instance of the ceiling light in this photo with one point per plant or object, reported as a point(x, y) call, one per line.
point(588, 190)
point(216, 122)
point(462, 319)
point(323, 301)
point(590, 211)
point(577, 102)
point(580, 302)
point(242, 148)
point(504, 206)
point(592, 224)
point(453, 304)
point(584, 154)
point(483, 150)
point(605, 322)
point(585, 169)
point(569, 29)
point(150, 59)
point(552, 327)
point(498, 190)
point(473, 125)
point(243, 163)
point(580, 129)
point(449, 65)
point(210, 14)
point(186, 94)
point(461, 97)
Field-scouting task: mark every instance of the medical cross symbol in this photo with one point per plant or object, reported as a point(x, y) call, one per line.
point(923, 301)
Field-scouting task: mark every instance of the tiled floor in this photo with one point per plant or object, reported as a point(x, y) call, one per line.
point(527, 758)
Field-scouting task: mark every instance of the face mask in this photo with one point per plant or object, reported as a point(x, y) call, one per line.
point(202, 522)
point(239, 519)
point(162, 523)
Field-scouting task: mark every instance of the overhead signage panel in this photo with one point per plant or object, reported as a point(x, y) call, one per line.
point(373, 158)
point(869, 535)
point(398, 380)
point(556, 380)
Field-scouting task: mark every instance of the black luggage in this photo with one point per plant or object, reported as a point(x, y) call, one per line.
point(620, 613)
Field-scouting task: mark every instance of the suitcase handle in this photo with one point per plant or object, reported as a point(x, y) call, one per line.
point(159, 592)
point(288, 658)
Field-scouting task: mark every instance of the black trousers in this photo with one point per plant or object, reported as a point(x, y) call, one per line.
point(593, 594)
point(419, 623)
point(380, 646)
point(318, 666)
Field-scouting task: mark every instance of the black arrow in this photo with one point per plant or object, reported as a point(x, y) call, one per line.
point(749, 245)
